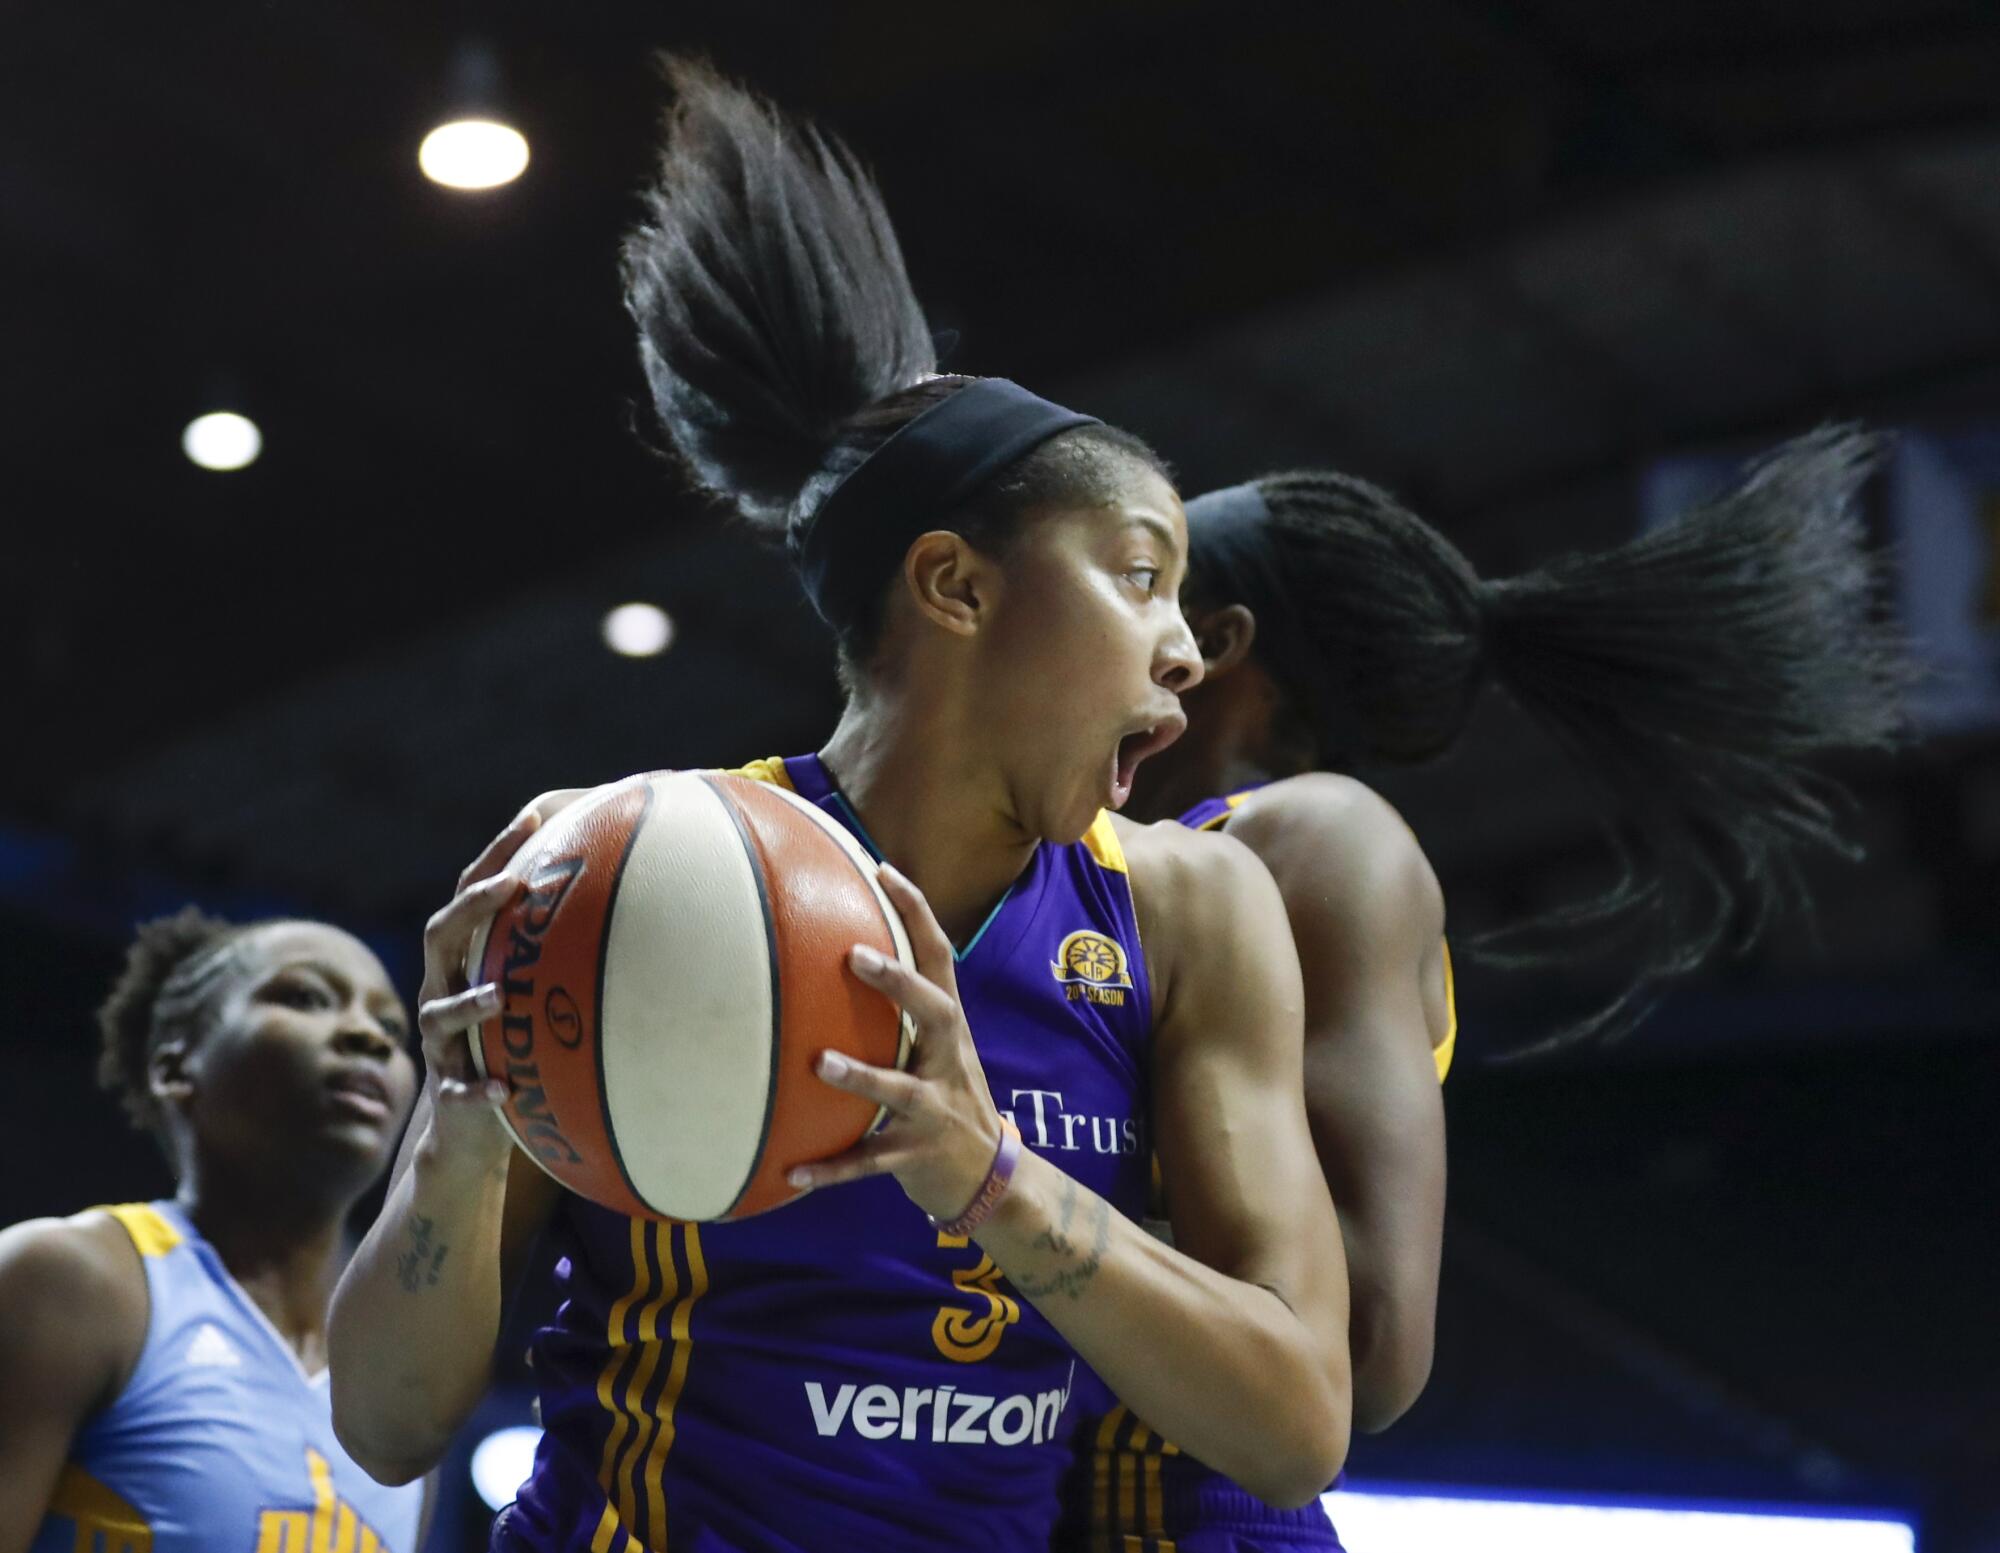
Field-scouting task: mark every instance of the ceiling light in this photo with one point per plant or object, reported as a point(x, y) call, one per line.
point(473, 154)
point(638, 630)
point(222, 440)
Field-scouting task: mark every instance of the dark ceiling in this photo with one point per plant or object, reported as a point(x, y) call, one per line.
point(1500, 254)
point(1485, 251)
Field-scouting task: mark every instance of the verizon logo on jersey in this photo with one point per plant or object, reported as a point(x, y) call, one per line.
point(1046, 1124)
point(943, 1415)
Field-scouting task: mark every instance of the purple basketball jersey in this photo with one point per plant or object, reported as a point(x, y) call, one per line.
point(836, 1374)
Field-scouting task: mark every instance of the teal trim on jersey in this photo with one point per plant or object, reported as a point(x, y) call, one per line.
point(861, 835)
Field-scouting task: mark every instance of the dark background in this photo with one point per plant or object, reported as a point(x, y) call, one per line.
point(1500, 256)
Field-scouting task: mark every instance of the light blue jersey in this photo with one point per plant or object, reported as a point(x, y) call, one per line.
point(220, 1442)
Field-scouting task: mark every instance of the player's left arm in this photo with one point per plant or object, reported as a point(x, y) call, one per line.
point(1232, 1343)
point(1244, 1188)
point(1236, 1347)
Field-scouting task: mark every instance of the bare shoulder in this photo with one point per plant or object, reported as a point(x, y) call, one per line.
point(1211, 919)
point(89, 1254)
point(1331, 838)
point(73, 1299)
point(1178, 872)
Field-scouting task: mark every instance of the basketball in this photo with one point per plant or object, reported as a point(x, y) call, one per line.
point(670, 974)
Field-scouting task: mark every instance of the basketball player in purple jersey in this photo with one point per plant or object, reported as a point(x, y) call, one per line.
point(1691, 672)
point(892, 1363)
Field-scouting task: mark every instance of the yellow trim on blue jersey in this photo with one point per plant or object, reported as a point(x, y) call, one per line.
point(1102, 840)
point(1441, 1053)
point(330, 1526)
point(149, 1229)
point(103, 1517)
point(770, 769)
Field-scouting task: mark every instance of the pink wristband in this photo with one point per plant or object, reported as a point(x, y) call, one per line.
point(992, 1189)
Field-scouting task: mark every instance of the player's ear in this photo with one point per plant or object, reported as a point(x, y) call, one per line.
point(951, 582)
point(1224, 636)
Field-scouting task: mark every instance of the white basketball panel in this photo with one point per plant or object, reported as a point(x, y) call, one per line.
point(686, 1019)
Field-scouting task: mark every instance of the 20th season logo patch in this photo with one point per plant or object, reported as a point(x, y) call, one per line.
point(1092, 969)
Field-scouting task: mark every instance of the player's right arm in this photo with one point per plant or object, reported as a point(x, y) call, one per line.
point(410, 1339)
point(72, 1324)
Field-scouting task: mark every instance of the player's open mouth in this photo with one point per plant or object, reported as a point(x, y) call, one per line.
point(1135, 746)
point(360, 1092)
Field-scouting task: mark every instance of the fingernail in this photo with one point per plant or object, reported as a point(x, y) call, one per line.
point(866, 959)
point(488, 996)
point(891, 871)
point(800, 1176)
point(833, 1065)
point(496, 1091)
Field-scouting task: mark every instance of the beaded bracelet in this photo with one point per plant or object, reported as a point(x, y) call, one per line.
point(992, 1189)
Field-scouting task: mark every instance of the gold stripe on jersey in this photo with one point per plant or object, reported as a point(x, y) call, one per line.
point(147, 1226)
point(677, 1368)
point(1442, 1052)
point(770, 769)
point(1128, 1485)
point(610, 1537)
point(1100, 1492)
point(1102, 842)
point(1234, 802)
point(642, 1374)
point(105, 1521)
point(330, 1526)
point(1128, 1510)
point(607, 1382)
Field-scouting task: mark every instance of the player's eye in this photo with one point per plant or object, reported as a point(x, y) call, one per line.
point(296, 992)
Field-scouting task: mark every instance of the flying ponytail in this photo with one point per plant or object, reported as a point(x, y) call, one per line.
point(1692, 674)
point(769, 292)
point(784, 348)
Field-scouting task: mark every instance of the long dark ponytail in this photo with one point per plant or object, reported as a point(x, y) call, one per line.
point(1692, 674)
point(780, 335)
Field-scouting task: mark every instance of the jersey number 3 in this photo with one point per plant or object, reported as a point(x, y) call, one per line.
point(969, 1333)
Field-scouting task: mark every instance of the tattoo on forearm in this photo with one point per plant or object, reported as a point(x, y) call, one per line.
point(1075, 1266)
point(419, 1266)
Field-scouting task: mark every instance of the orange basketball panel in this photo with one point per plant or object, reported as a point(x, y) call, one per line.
point(821, 906)
point(545, 951)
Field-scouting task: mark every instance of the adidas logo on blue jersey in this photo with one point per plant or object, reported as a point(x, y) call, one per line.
point(212, 1350)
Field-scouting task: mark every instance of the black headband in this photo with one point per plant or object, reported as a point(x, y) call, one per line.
point(1231, 560)
point(912, 482)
